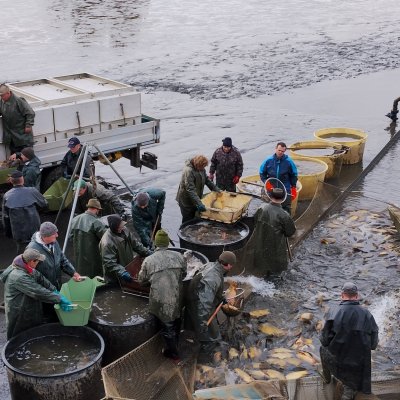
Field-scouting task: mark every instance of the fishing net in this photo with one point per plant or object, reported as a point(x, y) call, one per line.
point(145, 374)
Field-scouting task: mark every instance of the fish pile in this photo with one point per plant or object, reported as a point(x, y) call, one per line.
point(194, 264)
point(213, 234)
point(248, 362)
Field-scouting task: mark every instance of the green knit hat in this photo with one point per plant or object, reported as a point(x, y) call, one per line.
point(161, 239)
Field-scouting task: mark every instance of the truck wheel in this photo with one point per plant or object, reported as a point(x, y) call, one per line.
point(49, 176)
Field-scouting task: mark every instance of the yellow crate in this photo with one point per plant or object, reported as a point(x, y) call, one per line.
point(226, 207)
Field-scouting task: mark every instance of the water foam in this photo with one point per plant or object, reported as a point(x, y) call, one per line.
point(259, 285)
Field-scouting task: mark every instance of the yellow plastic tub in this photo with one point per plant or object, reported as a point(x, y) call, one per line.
point(253, 185)
point(310, 172)
point(329, 152)
point(226, 207)
point(353, 138)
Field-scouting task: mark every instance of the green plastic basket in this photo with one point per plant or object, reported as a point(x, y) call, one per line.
point(54, 194)
point(81, 295)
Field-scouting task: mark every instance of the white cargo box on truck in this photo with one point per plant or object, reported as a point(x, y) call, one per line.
point(98, 110)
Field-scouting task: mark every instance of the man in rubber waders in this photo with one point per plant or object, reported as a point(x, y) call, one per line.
point(164, 271)
point(205, 294)
point(25, 289)
point(227, 164)
point(18, 119)
point(282, 167)
point(147, 209)
point(273, 226)
point(118, 247)
point(349, 334)
point(87, 229)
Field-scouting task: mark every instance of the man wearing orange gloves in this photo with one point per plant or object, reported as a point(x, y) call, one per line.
point(282, 167)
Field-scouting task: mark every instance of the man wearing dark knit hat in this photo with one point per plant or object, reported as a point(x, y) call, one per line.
point(227, 164)
point(118, 247)
point(20, 211)
point(349, 334)
point(164, 271)
point(147, 209)
point(31, 168)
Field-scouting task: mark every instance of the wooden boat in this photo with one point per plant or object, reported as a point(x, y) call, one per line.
point(394, 213)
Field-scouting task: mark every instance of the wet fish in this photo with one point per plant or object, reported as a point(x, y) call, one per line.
point(271, 330)
point(319, 326)
point(254, 352)
point(293, 361)
point(257, 374)
point(281, 350)
point(230, 293)
point(244, 354)
point(244, 376)
point(282, 355)
point(296, 375)
point(272, 374)
point(306, 317)
point(259, 313)
point(233, 353)
point(276, 361)
point(306, 357)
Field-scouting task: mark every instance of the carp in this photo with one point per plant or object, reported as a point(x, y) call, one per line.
point(230, 293)
point(270, 330)
point(307, 357)
point(233, 353)
point(272, 374)
point(244, 376)
point(296, 374)
point(257, 374)
point(259, 313)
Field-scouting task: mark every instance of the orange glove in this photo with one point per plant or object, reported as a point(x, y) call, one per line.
point(293, 192)
point(235, 179)
point(269, 186)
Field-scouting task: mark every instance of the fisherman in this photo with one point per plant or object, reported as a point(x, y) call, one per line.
point(282, 167)
point(18, 119)
point(164, 271)
point(147, 209)
point(348, 336)
point(110, 202)
point(204, 294)
point(86, 232)
point(25, 289)
point(20, 211)
point(70, 159)
point(45, 241)
point(227, 164)
point(31, 168)
point(273, 226)
point(191, 187)
point(118, 247)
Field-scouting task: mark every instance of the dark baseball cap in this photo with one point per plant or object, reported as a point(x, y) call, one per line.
point(16, 174)
point(73, 142)
point(350, 288)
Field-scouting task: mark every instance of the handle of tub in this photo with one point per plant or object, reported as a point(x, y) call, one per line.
point(99, 281)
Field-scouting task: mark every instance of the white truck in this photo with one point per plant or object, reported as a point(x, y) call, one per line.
point(97, 110)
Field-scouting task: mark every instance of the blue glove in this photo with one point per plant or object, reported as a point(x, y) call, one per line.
point(201, 208)
point(126, 276)
point(65, 304)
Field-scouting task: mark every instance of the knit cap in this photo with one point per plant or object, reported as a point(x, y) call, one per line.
point(161, 239)
point(28, 152)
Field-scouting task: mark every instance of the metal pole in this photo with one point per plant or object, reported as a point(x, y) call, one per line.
point(71, 182)
point(75, 199)
point(116, 172)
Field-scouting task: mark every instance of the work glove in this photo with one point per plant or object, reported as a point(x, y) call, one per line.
point(211, 176)
point(235, 179)
point(65, 304)
point(201, 207)
point(293, 192)
point(269, 186)
point(126, 276)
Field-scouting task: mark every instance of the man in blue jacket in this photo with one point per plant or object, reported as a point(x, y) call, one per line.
point(282, 167)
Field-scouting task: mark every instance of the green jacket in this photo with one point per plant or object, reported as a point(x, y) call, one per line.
point(205, 292)
point(117, 250)
point(164, 271)
point(144, 219)
point(17, 115)
point(23, 297)
point(272, 226)
point(55, 261)
point(86, 233)
point(191, 187)
point(31, 173)
point(110, 202)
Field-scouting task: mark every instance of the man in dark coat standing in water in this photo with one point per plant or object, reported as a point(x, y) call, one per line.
point(349, 335)
point(273, 226)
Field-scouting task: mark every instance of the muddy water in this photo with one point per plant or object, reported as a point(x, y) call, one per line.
point(113, 307)
point(209, 233)
point(338, 138)
point(52, 355)
point(308, 167)
point(315, 152)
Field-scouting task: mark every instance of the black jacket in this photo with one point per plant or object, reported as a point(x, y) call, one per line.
point(349, 335)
